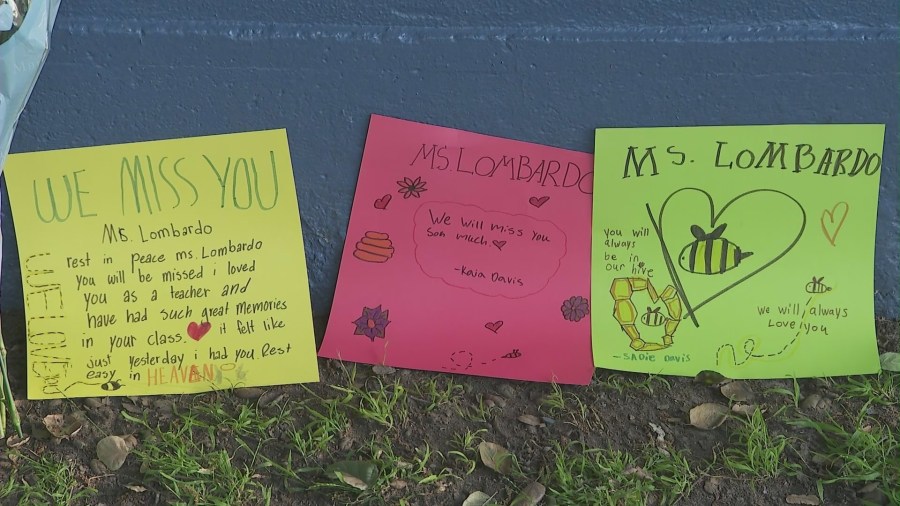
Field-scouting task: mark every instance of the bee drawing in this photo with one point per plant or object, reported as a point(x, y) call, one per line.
point(711, 253)
point(652, 318)
point(111, 385)
point(513, 354)
point(816, 286)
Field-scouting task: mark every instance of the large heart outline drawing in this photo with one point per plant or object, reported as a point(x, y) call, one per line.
point(713, 221)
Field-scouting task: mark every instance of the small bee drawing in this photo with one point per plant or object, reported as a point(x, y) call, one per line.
point(652, 317)
point(711, 253)
point(513, 354)
point(111, 385)
point(816, 286)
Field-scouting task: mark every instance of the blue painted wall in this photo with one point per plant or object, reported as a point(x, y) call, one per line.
point(129, 70)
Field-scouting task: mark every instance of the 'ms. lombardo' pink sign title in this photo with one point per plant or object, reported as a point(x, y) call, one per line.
point(466, 253)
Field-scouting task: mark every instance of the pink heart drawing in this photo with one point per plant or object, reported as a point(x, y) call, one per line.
point(494, 326)
point(499, 244)
point(383, 202)
point(196, 332)
point(538, 202)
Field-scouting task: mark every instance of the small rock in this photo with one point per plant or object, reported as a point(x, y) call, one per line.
point(15, 441)
point(531, 420)
point(97, 467)
point(531, 495)
point(133, 408)
point(494, 400)
point(163, 406)
point(815, 401)
point(709, 415)
point(248, 393)
point(93, 402)
point(383, 370)
point(131, 442)
point(744, 409)
point(348, 438)
point(712, 485)
point(637, 471)
point(738, 391)
point(507, 390)
point(62, 426)
point(270, 397)
point(112, 451)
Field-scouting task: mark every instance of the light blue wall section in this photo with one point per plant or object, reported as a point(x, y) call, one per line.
point(128, 70)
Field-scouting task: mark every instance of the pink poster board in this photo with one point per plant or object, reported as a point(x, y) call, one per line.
point(467, 254)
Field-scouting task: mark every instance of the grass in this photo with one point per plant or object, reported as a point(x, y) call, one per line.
point(326, 423)
point(793, 393)
point(588, 476)
point(219, 449)
point(465, 449)
point(754, 451)
point(480, 412)
point(646, 384)
point(184, 460)
point(867, 451)
point(880, 390)
point(571, 407)
point(43, 480)
point(439, 391)
point(385, 404)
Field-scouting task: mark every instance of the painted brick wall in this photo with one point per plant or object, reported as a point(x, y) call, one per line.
point(540, 71)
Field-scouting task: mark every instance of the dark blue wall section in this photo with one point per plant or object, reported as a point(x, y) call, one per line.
point(540, 71)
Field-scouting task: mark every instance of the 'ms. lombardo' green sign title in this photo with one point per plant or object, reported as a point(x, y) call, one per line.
point(799, 158)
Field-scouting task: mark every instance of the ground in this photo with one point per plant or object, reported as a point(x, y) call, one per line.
point(411, 437)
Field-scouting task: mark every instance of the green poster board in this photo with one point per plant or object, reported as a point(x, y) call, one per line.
point(746, 250)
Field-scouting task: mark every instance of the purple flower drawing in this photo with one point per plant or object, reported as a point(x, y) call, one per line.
point(372, 323)
point(411, 187)
point(575, 308)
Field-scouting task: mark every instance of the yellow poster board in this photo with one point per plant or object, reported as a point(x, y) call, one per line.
point(162, 267)
point(745, 250)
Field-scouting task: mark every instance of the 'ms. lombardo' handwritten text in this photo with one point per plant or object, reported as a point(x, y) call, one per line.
point(790, 158)
point(515, 167)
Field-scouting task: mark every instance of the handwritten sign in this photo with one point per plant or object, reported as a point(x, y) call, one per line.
point(162, 267)
point(466, 254)
point(743, 250)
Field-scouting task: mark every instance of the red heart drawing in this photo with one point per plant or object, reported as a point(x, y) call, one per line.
point(834, 221)
point(538, 202)
point(383, 202)
point(500, 244)
point(196, 332)
point(494, 326)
